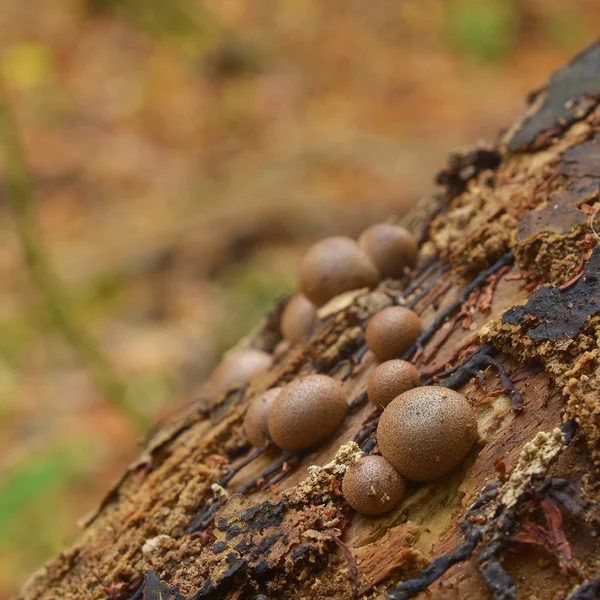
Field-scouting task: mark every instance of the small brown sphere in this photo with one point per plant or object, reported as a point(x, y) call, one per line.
point(297, 319)
point(390, 379)
point(257, 416)
point(427, 431)
point(282, 347)
point(307, 411)
point(390, 247)
point(238, 368)
point(333, 266)
point(372, 486)
point(392, 331)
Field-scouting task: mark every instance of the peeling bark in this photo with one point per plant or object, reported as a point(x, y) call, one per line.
point(507, 286)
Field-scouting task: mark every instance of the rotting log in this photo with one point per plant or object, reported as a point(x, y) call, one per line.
point(508, 287)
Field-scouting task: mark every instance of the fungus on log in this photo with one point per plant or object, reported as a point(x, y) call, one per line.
point(506, 285)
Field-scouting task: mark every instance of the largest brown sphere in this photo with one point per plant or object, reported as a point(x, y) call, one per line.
point(427, 431)
point(333, 266)
point(306, 412)
point(392, 331)
point(390, 247)
point(238, 368)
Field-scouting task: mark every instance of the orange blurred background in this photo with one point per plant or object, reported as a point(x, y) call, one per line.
point(183, 155)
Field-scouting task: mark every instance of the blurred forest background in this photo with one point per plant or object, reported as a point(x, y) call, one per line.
point(183, 154)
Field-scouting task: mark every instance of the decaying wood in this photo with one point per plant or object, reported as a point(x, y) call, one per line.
point(508, 287)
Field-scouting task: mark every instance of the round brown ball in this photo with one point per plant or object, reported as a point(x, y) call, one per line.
point(256, 421)
point(238, 368)
point(427, 431)
point(372, 486)
point(333, 266)
point(282, 347)
point(390, 379)
point(390, 247)
point(392, 331)
point(306, 412)
point(298, 319)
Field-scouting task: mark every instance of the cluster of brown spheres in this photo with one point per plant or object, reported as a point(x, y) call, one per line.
point(299, 415)
point(423, 432)
point(339, 264)
point(295, 417)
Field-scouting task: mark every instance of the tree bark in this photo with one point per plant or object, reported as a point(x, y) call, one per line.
point(507, 286)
